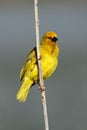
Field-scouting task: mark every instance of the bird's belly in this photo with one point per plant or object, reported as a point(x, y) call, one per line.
point(48, 67)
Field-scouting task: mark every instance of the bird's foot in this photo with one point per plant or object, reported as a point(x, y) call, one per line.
point(42, 88)
point(39, 58)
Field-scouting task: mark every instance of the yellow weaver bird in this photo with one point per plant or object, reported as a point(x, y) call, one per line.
point(49, 52)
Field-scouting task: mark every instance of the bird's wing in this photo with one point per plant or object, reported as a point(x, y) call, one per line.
point(29, 64)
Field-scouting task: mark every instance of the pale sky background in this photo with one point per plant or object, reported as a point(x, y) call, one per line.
point(67, 89)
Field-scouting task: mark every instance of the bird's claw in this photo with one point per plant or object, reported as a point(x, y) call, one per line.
point(39, 58)
point(42, 88)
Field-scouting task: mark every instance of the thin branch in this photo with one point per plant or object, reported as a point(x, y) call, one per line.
point(41, 81)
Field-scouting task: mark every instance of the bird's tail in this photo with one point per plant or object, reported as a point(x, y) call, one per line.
point(23, 91)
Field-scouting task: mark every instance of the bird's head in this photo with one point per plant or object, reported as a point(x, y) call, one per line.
point(49, 38)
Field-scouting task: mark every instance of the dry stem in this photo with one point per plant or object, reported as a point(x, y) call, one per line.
point(43, 96)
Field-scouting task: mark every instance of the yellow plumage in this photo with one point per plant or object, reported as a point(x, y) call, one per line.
point(49, 59)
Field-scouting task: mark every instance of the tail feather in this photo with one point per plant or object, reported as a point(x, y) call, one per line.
point(24, 90)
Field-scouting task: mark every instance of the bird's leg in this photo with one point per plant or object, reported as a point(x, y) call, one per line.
point(39, 58)
point(41, 88)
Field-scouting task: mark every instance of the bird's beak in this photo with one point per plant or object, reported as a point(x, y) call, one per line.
point(54, 39)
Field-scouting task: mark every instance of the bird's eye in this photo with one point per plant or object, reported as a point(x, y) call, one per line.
point(49, 37)
point(54, 39)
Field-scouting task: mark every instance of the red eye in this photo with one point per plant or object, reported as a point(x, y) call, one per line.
point(49, 37)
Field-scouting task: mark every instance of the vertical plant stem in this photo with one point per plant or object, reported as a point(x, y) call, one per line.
point(41, 81)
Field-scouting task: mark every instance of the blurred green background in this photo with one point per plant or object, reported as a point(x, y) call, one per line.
point(67, 89)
